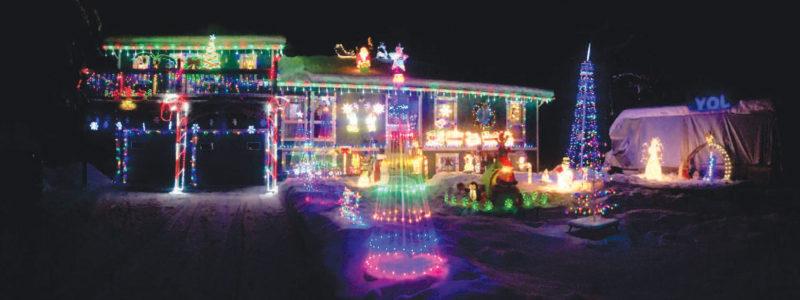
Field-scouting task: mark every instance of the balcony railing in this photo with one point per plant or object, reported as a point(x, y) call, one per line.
point(146, 84)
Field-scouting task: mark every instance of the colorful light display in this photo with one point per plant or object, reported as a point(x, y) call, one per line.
point(398, 65)
point(121, 151)
point(726, 159)
point(350, 207)
point(584, 142)
point(712, 163)
point(546, 177)
point(127, 105)
point(211, 57)
point(592, 203)
point(456, 138)
point(363, 60)
point(404, 245)
point(566, 177)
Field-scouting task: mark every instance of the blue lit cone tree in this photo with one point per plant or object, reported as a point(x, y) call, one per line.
point(584, 141)
point(403, 244)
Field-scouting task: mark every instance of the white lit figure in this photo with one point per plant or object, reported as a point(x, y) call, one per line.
point(546, 177)
point(652, 170)
point(566, 176)
point(469, 165)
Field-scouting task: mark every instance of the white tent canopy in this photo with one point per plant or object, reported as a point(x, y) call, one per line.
point(747, 131)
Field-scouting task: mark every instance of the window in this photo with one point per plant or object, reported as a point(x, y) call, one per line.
point(248, 61)
point(447, 162)
point(515, 120)
point(445, 113)
point(324, 117)
point(141, 62)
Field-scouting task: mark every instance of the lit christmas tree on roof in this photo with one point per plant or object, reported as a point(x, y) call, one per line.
point(584, 141)
point(211, 57)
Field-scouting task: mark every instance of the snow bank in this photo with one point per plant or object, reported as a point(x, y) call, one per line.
point(69, 177)
point(672, 182)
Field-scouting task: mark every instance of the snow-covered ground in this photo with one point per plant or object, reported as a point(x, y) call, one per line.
point(111, 244)
point(679, 242)
point(722, 241)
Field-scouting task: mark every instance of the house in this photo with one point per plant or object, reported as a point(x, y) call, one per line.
point(204, 111)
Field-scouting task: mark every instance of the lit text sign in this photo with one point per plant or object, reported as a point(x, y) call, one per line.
point(712, 103)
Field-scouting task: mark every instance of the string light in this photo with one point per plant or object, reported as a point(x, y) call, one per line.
point(584, 142)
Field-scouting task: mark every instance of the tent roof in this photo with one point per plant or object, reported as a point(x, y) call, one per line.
point(743, 107)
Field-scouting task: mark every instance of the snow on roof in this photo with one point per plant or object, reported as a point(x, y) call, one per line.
point(332, 70)
point(195, 42)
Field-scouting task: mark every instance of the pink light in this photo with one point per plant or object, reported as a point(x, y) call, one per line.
point(401, 266)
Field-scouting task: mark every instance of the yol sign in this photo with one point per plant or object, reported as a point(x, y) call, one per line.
point(710, 103)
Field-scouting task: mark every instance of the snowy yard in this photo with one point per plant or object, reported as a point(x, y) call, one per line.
point(110, 244)
point(726, 242)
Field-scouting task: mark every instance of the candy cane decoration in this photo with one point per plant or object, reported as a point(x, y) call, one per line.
point(271, 148)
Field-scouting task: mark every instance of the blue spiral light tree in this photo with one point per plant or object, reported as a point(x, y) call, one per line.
point(584, 141)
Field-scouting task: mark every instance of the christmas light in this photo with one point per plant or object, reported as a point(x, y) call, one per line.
point(546, 177)
point(726, 159)
point(584, 143)
point(404, 244)
point(363, 61)
point(350, 207)
point(469, 163)
point(593, 203)
point(566, 176)
point(211, 57)
point(652, 169)
point(127, 105)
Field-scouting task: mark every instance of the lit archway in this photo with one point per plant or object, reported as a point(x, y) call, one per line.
point(712, 146)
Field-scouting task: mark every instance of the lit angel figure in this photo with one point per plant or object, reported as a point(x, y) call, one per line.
point(652, 169)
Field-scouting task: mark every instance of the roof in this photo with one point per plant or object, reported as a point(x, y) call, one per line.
point(330, 72)
point(197, 42)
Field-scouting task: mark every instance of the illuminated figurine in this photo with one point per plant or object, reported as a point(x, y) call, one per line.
point(546, 176)
point(363, 60)
point(473, 191)
point(469, 166)
point(499, 180)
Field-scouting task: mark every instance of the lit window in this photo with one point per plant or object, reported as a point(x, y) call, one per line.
point(141, 62)
point(247, 61)
point(515, 119)
point(445, 112)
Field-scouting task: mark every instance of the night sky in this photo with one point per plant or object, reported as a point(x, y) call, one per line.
point(667, 54)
